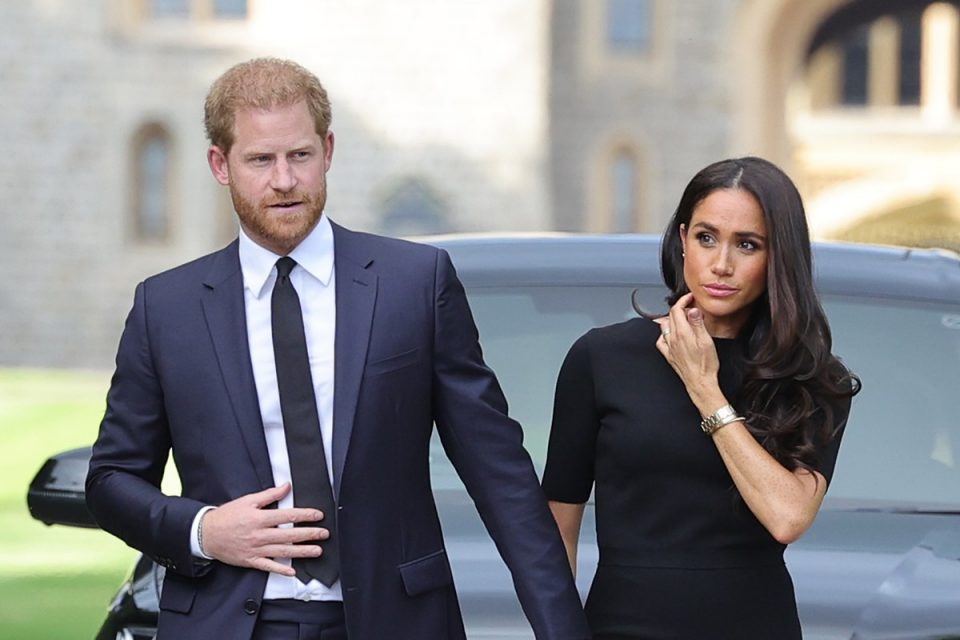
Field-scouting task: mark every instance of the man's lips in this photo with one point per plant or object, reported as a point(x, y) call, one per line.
point(285, 204)
point(719, 290)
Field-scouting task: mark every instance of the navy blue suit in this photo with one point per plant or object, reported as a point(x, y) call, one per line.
point(406, 356)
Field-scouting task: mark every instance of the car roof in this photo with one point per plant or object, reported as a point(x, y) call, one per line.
point(633, 259)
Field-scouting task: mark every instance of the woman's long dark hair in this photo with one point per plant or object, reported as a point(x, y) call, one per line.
point(792, 381)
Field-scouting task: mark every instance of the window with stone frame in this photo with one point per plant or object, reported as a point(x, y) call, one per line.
point(194, 9)
point(623, 179)
point(413, 208)
point(151, 161)
point(628, 25)
point(617, 196)
point(880, 54)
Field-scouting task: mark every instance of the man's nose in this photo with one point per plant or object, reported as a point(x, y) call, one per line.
point(283, 178)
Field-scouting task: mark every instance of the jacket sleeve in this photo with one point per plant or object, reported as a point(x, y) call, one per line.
point(129, 456)
point(486, 448)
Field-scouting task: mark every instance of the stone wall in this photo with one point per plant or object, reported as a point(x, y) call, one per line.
point(450, 95)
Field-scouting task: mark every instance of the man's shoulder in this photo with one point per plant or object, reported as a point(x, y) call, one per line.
point(382, 247)
point(225, 260)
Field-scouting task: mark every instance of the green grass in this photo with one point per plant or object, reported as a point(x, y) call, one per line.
point(55, 582)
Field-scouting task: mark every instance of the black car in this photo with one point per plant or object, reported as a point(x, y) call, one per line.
point(882, 560)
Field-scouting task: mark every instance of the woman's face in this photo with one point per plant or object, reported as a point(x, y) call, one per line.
point(725, 263)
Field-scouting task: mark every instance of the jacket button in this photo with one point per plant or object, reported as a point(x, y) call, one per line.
point(250, 607)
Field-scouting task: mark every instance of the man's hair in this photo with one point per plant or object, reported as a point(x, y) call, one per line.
point(262, 83)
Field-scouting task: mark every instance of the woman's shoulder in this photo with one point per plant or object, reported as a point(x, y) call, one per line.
point(622, 334)
point(611, 351)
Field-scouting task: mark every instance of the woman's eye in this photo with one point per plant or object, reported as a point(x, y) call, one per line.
point(705, 238)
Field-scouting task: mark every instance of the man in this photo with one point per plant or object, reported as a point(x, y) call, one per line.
point(307, 354)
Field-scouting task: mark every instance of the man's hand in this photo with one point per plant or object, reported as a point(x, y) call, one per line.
point(245, 534)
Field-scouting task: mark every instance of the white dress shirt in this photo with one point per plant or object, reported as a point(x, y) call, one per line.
point(313, 279)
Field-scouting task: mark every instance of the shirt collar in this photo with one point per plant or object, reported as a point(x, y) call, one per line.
point(314, 254)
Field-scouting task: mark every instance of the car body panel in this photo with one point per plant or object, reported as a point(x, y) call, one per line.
point(882, 560)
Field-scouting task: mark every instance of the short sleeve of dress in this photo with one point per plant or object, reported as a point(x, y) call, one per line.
point(841, 410)
point(569, 472)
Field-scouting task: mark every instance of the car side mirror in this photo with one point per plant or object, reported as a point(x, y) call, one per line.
point(56, 494)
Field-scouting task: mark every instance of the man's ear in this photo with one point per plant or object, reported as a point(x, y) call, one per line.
point(328, 150)
point(217, 160)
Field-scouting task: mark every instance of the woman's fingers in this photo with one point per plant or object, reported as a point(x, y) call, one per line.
point(663, 348)
point(678, 312)
point(664, 327)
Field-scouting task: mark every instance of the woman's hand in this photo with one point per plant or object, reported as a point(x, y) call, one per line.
point(784, 501)
point(689, 349)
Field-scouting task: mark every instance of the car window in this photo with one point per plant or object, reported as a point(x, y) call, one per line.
point(903, 439)
point(525, 333)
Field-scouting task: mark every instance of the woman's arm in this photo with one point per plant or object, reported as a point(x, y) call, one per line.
point(569, 517)
point(784, 501)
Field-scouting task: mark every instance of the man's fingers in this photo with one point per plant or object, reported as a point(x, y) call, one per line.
point(266, 561)
point(272, 566)
point(292, 535)
point(275, 517)
point(268, 496)
point(292, 551)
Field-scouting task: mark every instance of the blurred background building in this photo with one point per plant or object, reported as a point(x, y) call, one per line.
point(455, 115)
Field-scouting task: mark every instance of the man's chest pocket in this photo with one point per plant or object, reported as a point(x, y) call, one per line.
point(392, 362)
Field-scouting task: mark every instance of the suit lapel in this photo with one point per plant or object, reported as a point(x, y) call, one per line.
point(356, 295)
point(227, 322)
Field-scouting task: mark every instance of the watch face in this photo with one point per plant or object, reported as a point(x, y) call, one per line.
point(708, 424)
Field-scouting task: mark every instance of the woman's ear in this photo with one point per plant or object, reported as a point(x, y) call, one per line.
point(683, 240)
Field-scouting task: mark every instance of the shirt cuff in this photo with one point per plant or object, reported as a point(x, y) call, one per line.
point(195, 547)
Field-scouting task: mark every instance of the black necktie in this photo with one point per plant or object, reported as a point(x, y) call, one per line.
point(301, 424)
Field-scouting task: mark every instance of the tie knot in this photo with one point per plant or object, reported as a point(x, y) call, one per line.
point(284, 266)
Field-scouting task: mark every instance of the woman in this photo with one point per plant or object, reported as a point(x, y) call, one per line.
point(710, 433)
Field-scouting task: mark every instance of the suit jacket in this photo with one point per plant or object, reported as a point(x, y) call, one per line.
point(406, 356)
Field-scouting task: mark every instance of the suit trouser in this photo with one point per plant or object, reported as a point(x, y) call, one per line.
point(296, 620)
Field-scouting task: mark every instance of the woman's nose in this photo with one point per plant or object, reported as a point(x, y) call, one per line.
point(722, 266)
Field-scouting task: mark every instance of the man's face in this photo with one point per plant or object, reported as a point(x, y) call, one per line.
point(277, 174)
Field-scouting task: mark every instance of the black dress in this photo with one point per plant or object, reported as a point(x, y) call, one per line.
point(681, 555)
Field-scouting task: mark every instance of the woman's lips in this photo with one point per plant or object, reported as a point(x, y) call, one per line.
point(719, 290)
